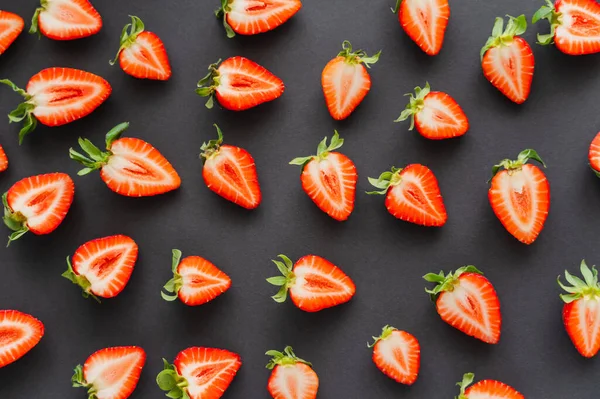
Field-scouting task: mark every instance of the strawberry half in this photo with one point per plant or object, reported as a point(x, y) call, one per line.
point(594, 155)
point(57, 96)
point(425, 22)
point(230, 172)
point(520, 196)
point(468, 302)
point(195, 281)
point(507, 60)
point(66, 19)
point(574, 26)
point(329, 178)
point(412, 194)
point(20, 333)
point(199, 373)
point(488, 389)
point(102, 267)
point(436, 115)
point(239, 84)
point(292, 377)
point(142, 54)
point(313, 282)
point(129, 166)
point(111, 373)
point(38, 204)
point(397, 354)
point(11, 26)
point(246, 17)
point(3, 160)
point(345, 80)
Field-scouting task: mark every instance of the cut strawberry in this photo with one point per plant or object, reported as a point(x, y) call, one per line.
point(313, 282)
point(19, 333)
point(329, 178)
point(292, 377)
point(345, 80)
point(11, 26)
point(38, 204)
point(111, 373)
point(412, 194)
point(239, 84)
point(507, 59)
point(247, 17)
point(594, 155)
point(425, 22)
point(57, 96)
point(142, 54)
point(129, 166)
point(436, 115)
point(520, 196)
point(230, 172)
point(66, 19)
point(3, 160)
point(397, 354)
point(574, 26)
point(199, 373)
point(468, 302)
point(486, 389)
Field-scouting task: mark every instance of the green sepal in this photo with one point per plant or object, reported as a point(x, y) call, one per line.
point(415, 105)
point(173, 286)
point(208, 85)
point(171, 382)
point(79, 280)
point(211, 148)
point(23, 112)
point(595, 171)
point(358, 56)
point(521, 160)
point(96, 158)
point(221, 13)
point(322, 150)
point(385, 180)
point(466, 381)
point(446, 282)
point(34, 20)
point(15, 221)
point(514, 27)
point(77, 381)
point(385, 333)
point(289, 278)
point(285, 358)
point(549, 13)
point(586, 289)
point(129, 35)
point(396, 10)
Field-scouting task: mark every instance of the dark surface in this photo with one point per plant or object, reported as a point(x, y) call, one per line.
point(384, 256)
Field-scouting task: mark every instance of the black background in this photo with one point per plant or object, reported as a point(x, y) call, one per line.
point(384, 256)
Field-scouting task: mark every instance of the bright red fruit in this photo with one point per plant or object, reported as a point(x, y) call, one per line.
point(292, 377)
point(11, 26)
point(66, 19)
point(20, 333)
point(486, 389)
point(397, 354)
point(3, 160)
point(425, 22)
point(594, 155)
point(246, 17)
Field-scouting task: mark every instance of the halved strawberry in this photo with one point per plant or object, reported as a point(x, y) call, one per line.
point(520, 196)
point(199, 373)
point(38, 204)
point(507, 59)
point(239, 84)
point(397, 354)
point(19, 334)
point(425, 22)
point(3, 160)
point(66, 19)
point(102, 267)
point(246, 17)
point(412, 194)
point(230, 172)
point(594, 155)
point(574, 26)
point(468, 302)
point(345, 80)
point(111, 373)
point(142, 54)
point(11, 26)
point(329, 178)
point(486, 389)
point(57, 96)
point(313, 282)
point(292, 377)
point(129, 166)
point(436, 115)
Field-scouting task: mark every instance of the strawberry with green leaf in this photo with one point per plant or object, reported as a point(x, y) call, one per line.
point(292, 377)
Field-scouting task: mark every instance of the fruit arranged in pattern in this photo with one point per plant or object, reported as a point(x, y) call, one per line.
point(436, 115)
point(425, 22)
point(102, 267)
point(488, 389)
point(3, 160)
point(246, 17)
point(345, 80)
point(20, 333)
point(397, 354)
point(581, 312)
point(230, 172)
point(38, 204)
point(199, 373)
point(507, 60)
point(11, 26)
point(141, 53)
point(329, 178)
point(66, 19)
point(412, 194)
point(467, 301)
point(520, 196)
point(574, 26)
point(594, 155)
point(129, 166)
point(239, 84)
point(195, 281)
point(57, 96)
point(292, 377)
point(111, 373)
point(313, 283)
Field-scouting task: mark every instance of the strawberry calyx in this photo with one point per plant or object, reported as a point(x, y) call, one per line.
point(285, 281)
point(128, 38)
point(221, 13)
point(170, 381)
point(208, 85)
point(466, 381)
point(515, 165)
point(173, 286)
point(285, 358)
point(447, 282)
point(396, 9)
point(15, 221)
point(211, 148)
point(79, 382)
point(358, 56)
point(322, 150)
point(24, 112)
point(34, 21)
point(549, 13)
point(385, 180)
point(96, 158)
point(514, 27)
point(586, 289)
point(415, 105)
point(79, 280)
point(386, 332)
